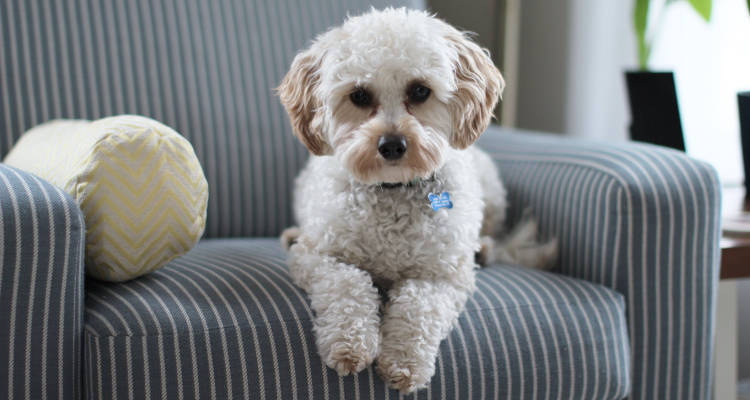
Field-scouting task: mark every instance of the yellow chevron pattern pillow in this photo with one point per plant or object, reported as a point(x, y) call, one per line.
point(138, 182)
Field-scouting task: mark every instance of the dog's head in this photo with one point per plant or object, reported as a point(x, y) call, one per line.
point(389, 92)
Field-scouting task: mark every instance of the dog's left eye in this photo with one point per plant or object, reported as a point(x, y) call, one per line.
point(361, 97)
point(418, 93)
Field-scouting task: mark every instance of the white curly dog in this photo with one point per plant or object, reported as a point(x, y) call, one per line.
point(394, 196)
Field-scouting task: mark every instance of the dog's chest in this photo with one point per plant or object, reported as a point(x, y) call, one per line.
point(406, 232)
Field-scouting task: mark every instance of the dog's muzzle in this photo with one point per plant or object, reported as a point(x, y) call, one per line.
point(392, 146)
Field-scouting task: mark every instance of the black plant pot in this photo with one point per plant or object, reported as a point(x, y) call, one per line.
point(654, 110)
point(743, 101)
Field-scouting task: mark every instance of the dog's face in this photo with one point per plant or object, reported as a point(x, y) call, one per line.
point(389, 92)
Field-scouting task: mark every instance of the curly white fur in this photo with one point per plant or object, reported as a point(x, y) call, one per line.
point(357, 233)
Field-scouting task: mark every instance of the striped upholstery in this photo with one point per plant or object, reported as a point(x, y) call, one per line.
point(205, 68)
point(641, 220)
point(41, 289)
point(225, 321)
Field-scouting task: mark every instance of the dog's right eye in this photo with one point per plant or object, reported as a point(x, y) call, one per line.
point(418, 93)
point(361, 97)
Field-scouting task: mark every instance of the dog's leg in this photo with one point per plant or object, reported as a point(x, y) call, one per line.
point(346, 306)
point(418, 316)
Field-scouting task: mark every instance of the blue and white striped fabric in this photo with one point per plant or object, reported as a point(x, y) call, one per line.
point(642, 220)
point(41, 289)
point(225, 321)
point(205, 68)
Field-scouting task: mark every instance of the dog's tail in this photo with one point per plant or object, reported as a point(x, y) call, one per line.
point(520, 246)
point(289, 237)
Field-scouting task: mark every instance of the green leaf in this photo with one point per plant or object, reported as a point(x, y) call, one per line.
point(640, 19)
point(640, 16)
point(748, 5)
point(703, 7)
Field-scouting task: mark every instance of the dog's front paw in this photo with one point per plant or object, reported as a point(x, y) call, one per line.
point(401, 374)
point(348, 358)
point(348, 346)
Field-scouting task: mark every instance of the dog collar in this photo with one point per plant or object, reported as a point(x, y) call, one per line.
point(412, 183)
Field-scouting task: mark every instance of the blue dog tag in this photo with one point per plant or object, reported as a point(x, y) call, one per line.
point(443, 200)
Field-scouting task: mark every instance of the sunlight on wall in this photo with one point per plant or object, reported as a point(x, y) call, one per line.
point(602, 47)
point(711, 64)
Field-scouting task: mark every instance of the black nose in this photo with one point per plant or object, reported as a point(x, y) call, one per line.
point(392, 147)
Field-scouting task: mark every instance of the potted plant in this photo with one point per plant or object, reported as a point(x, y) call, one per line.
point(655, 114)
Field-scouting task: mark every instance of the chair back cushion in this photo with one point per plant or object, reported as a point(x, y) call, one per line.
point(205, 68)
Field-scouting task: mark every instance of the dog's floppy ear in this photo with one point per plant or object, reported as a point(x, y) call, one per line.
point(297, 94)
point(478, 87)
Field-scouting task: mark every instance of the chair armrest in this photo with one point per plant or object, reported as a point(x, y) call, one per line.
point(41, 289)
point(640, 219)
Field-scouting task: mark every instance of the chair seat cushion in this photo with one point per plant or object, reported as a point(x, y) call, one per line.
point(225, 321)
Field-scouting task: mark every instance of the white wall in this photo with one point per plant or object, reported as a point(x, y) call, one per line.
point(573, 55)
point(602, 47)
